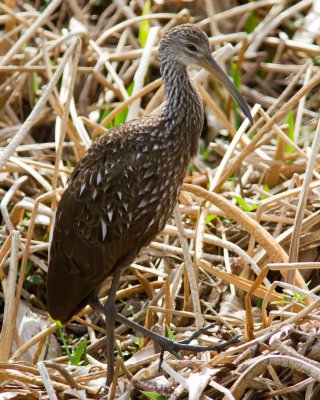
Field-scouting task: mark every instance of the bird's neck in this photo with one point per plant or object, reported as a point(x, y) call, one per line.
point(183, 109)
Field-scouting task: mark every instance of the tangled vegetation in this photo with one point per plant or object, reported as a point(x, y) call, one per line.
point(240, 253)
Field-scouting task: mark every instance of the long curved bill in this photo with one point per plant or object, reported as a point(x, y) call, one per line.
point(213, 68)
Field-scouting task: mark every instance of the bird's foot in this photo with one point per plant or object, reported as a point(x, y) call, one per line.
point(175, 347)
point(164, 343)
point(172, 347)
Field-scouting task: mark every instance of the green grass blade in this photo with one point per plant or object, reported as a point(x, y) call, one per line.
point(170, 333)
point(252, 21)
point(145, 25)
point(290, 122)
point(236, 77)
point(152, 395)
point(241, 202)
point(63, 339)
point(79, 353)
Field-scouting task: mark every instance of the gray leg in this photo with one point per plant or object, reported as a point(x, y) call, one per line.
point(175, 347)
point(110, 313)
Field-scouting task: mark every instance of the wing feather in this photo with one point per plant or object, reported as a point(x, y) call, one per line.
point(119, 197)
point(93, 231)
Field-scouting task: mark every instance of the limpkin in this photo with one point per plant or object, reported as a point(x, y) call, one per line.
point(124, 189)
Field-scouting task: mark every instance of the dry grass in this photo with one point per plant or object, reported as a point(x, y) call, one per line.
point(242, 248)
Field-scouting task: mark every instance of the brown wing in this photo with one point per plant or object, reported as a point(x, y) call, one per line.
point(102, 218)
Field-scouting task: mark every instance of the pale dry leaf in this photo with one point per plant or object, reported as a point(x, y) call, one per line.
point(218, 288)
point(76, 394)
point(142, 356)
point(17, 396)
point(309, 31)
point(198, 382)
point(29, 324)
point(232, 307)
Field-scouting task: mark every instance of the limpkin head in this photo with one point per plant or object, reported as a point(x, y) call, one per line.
point(189, 45)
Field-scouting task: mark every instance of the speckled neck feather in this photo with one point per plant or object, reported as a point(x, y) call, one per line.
point(183, 104)
point(183, 107)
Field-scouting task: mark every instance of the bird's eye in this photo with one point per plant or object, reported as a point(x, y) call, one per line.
point(191, 47)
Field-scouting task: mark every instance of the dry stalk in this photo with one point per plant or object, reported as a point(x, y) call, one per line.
point(27, 125)
point(68, 82)
point(42, 19)
point(9, 327)
point(259, 366)
point(294, 246)
point(261, 235)
point(190, 269)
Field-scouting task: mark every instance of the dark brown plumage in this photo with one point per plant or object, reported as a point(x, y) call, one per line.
point(124, 189)
point(119, 197)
